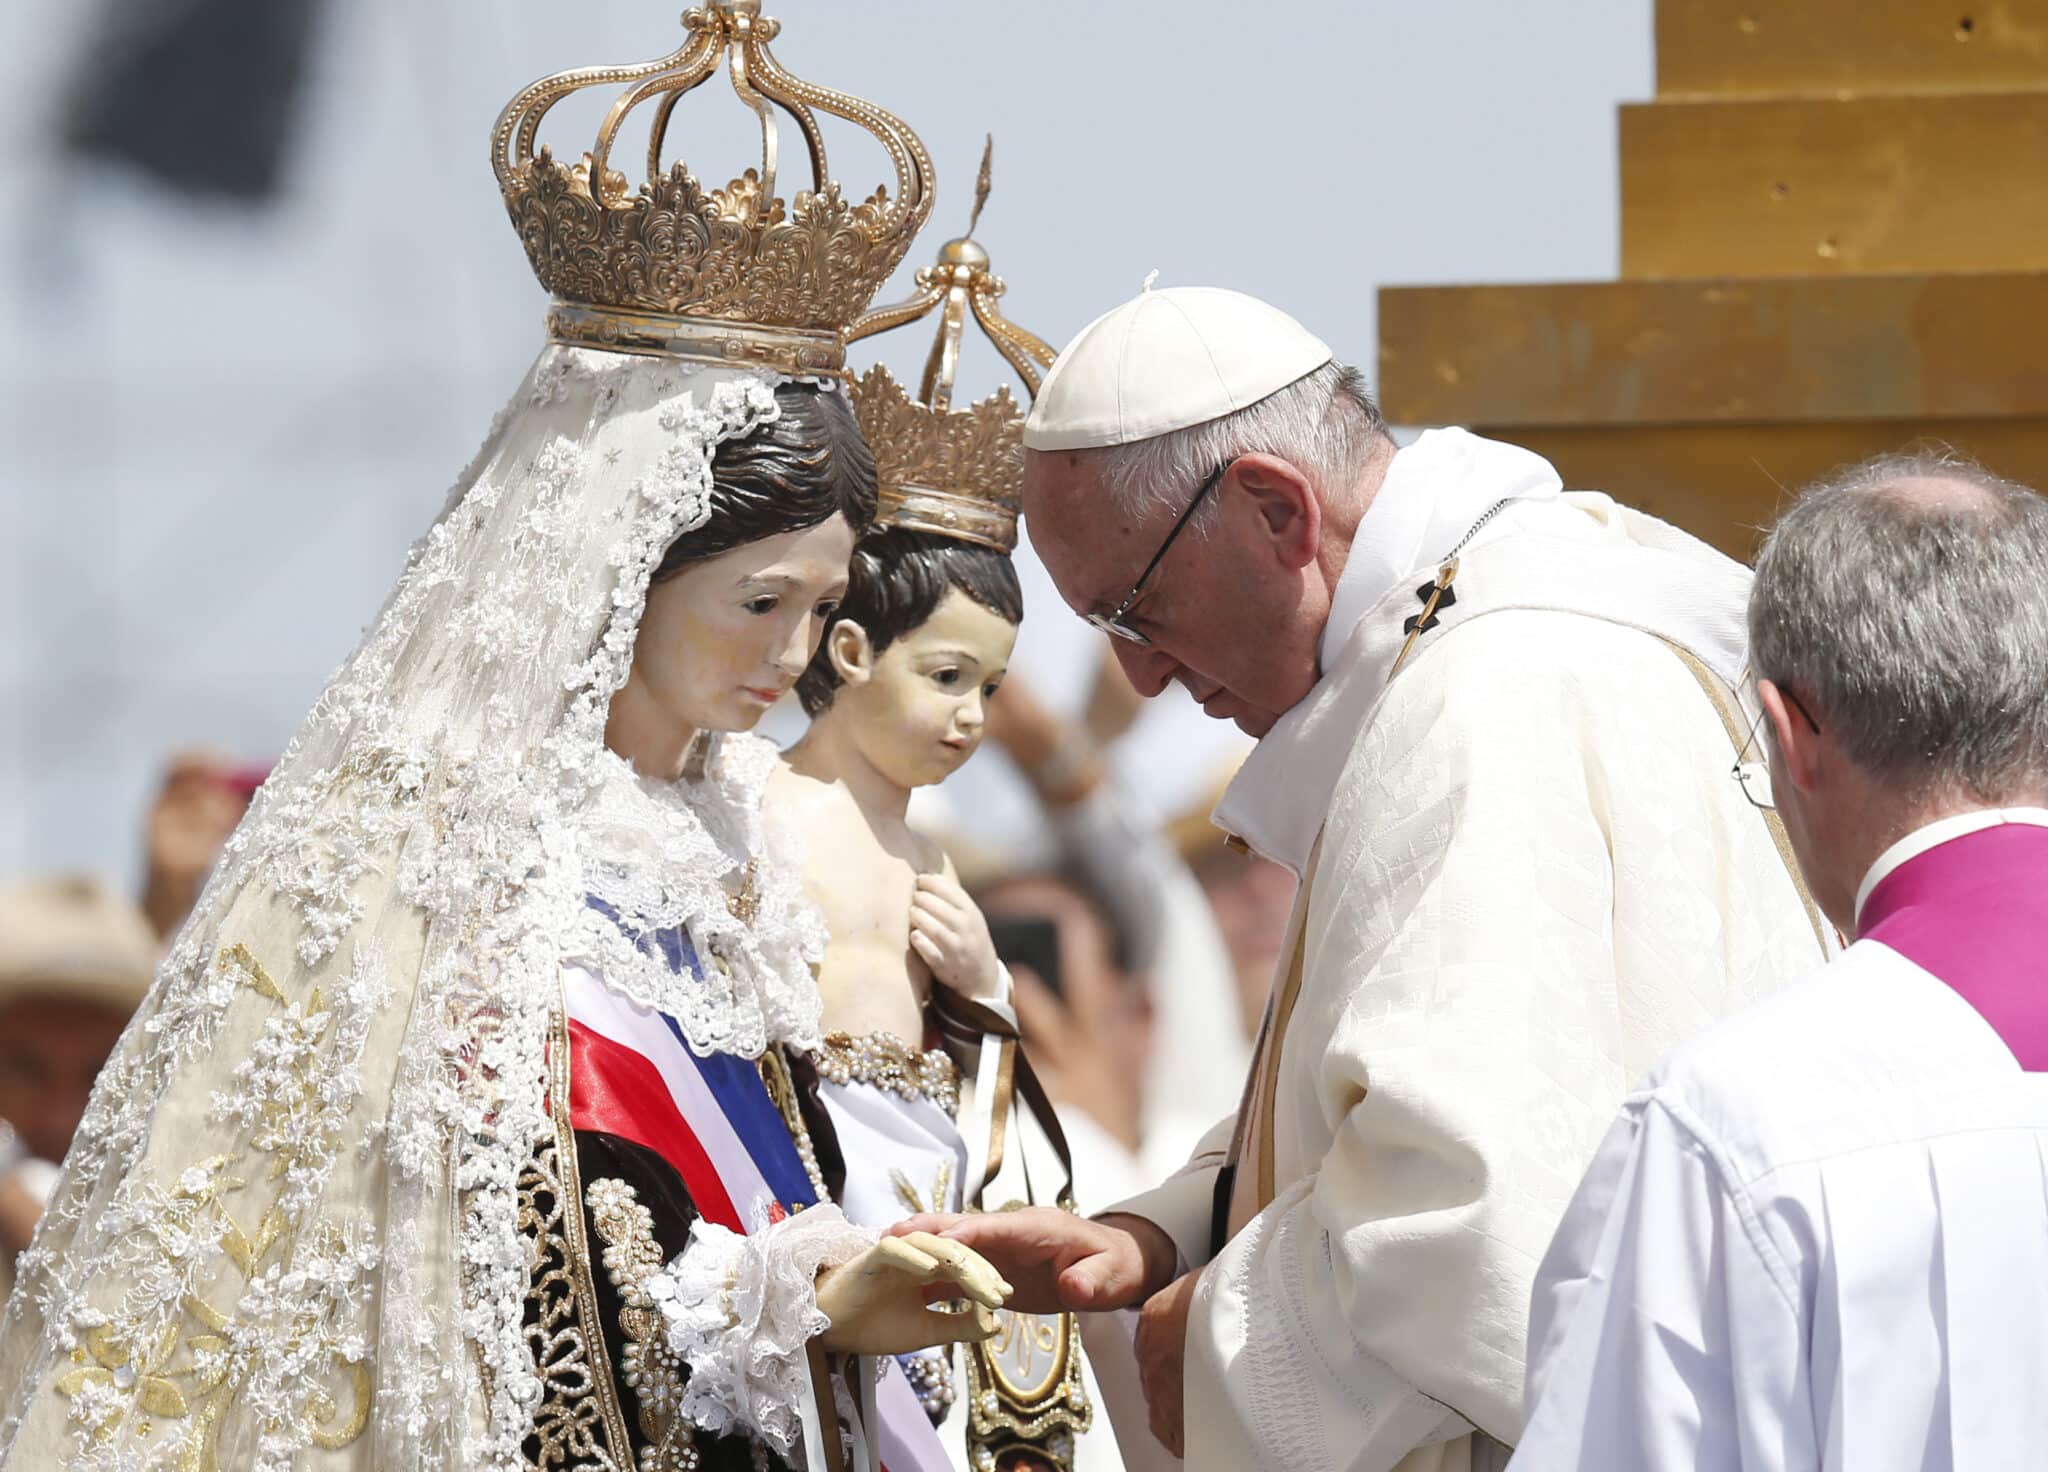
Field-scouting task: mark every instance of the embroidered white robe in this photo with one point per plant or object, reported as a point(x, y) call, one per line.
point(1535, 876)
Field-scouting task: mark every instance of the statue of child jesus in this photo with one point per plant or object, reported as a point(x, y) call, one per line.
point(898, 696)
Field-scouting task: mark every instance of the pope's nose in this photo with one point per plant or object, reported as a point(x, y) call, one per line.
point(1149, 669)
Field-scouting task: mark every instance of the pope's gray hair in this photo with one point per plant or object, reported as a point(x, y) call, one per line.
point(1326, 423)
point(1914, 622)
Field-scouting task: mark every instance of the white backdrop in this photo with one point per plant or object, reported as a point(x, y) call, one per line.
point(223, 425)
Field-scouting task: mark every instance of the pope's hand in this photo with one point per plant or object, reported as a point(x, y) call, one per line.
point(889, 1299)
point(949, 931)
point(1161, 1350)
point(1061, 1261)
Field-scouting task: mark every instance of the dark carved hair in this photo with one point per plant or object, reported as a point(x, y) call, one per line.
point(802, 468)
point(898, 580)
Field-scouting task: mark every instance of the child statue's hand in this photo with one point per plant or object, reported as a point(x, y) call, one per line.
point(948, 931)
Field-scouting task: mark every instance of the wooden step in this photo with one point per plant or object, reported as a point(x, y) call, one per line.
point(1955, 182)
point(1722, 48)
point(1725, 483)
point(1745, 350)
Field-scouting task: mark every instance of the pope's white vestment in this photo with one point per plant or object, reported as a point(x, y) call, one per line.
point(1814, 1238)
point(1528, 874)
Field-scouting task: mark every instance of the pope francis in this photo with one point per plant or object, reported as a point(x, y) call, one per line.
point(1497, 722)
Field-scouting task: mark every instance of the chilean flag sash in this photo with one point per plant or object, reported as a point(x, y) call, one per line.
point(713, 1121)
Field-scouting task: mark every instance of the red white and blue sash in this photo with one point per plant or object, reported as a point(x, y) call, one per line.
point(712, 1119)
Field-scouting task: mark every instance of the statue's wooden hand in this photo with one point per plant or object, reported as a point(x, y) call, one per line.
point(949, 931)
point(882, 1301)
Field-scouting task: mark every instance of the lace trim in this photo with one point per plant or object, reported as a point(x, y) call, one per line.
point(884, 1061)
point(695, 857)
point(740, 1312)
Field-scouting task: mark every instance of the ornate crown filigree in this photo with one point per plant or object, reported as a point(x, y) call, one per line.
point(957, 472)
point(730, 274)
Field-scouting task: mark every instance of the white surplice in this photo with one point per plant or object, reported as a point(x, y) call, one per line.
point(1815, 1238)
point(1535, 876)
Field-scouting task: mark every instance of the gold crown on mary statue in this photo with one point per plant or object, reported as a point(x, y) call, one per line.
point(730, 275)
point(955, 472)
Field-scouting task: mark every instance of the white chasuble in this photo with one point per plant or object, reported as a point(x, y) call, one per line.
point(1813, 1239)
point(1535, 875)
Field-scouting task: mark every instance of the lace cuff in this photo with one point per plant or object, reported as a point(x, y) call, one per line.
point(739, 1312)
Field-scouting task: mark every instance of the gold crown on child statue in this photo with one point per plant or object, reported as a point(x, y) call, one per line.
point(730, 275)
point(956, 472)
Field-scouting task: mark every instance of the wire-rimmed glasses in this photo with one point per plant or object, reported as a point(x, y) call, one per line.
point(1116, 624)
point(1752, 763)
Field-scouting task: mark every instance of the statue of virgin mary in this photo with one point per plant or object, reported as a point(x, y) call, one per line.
point(467, 1123)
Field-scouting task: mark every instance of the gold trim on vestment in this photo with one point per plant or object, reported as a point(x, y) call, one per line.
point(1265, 1081)
point(1283, 1014)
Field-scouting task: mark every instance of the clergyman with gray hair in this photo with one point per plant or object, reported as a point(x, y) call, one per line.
point(1817, 1236)
point(1495, 720)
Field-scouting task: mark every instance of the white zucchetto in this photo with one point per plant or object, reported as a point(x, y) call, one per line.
point(1167, 360)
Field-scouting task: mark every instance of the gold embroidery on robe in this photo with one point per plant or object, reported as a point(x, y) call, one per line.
point(578, 1422)
point(649, 1367)
point(190, 1361)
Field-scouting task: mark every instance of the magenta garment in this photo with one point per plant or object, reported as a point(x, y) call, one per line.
point(1974, 912)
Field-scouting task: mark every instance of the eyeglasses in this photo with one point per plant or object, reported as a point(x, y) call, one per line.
point(1115, 624)
point(1753, 772)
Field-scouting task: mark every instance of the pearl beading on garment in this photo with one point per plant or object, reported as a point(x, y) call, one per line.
point(886, 1062)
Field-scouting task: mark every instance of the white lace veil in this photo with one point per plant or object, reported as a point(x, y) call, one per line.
point(287, 1234)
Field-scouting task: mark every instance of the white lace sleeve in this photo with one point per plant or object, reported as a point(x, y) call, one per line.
point(740, 1311)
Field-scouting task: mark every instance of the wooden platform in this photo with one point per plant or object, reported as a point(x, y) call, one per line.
point(1744, 48)
point(1698, 352)
point(1724, 482)
point(1834, 222)
point(1773, 186)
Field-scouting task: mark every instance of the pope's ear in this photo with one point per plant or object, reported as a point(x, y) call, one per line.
point(1289, 516)
point(851, 652)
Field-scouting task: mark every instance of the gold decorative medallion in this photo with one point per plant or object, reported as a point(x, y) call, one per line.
point(1025, 1392)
